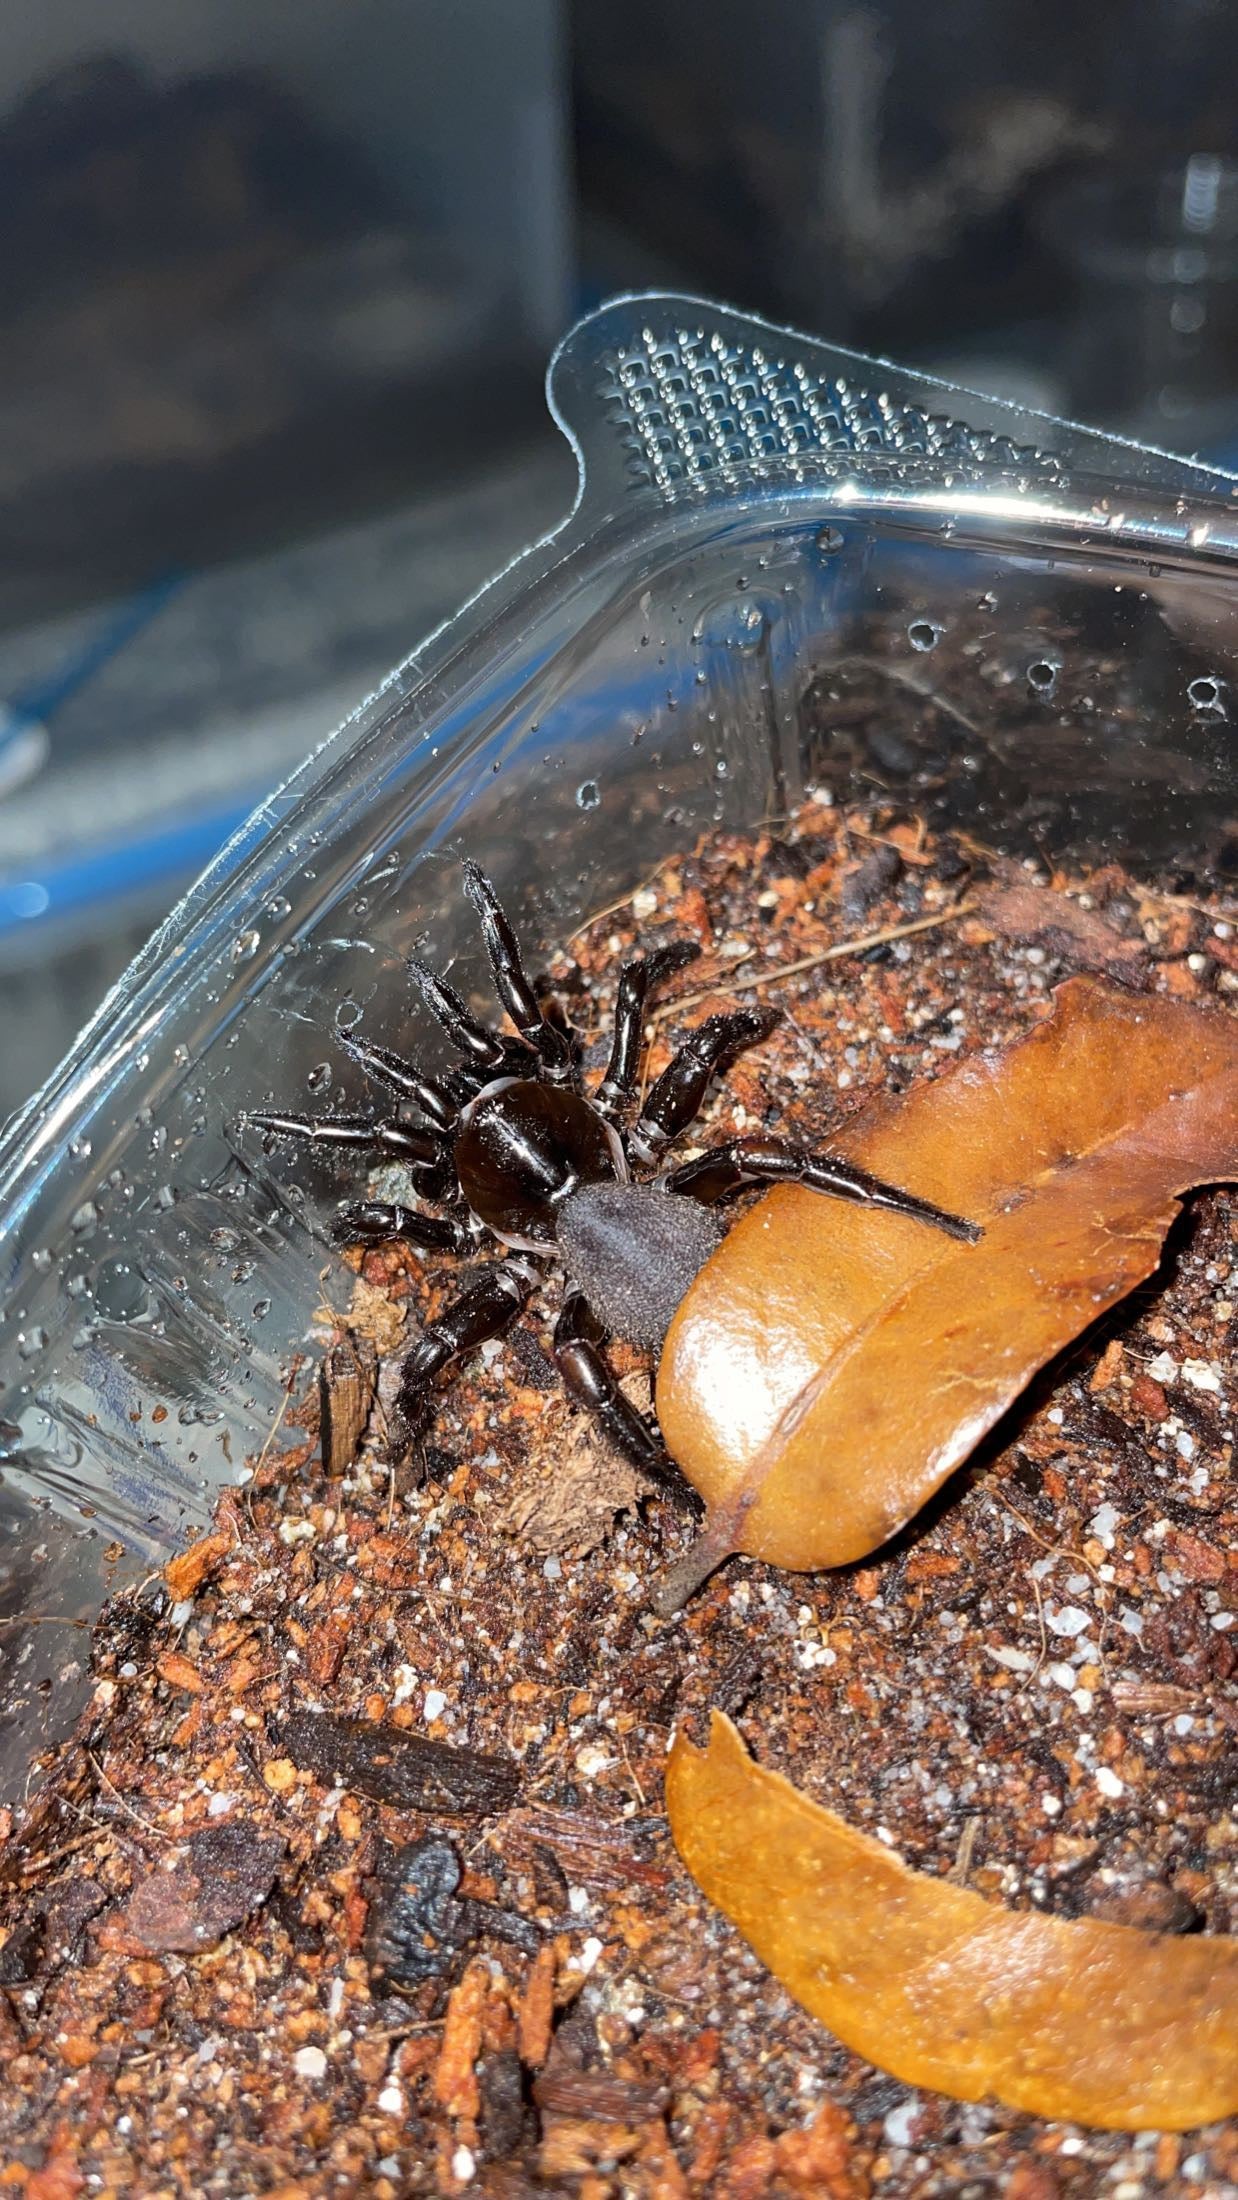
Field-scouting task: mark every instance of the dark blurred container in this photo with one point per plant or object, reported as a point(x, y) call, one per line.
point(1152, 258)
point(262, 270)
point(877, 171)
point(861, 168)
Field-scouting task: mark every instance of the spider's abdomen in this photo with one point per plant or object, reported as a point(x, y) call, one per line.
point(522, 1148)
point(633, 1250)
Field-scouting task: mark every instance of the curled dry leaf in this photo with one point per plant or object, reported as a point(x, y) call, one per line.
point(832, 1365)
point(1098, 2023)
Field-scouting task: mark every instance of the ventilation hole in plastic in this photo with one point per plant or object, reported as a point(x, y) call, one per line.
point(1207, 695)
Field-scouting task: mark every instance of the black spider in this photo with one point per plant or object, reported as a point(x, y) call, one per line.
point(512, 1145)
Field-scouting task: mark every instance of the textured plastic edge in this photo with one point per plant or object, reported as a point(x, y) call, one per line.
point(699, 398)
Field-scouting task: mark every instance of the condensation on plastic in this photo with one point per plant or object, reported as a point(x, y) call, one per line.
point(787, 563)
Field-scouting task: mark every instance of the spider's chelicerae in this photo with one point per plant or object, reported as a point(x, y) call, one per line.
point(511, 1145)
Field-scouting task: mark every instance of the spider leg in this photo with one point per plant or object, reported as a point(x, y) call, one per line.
point(486, 1052)
point(402, 1078)
point(553, 1046)
point(676, 1098)
point(381, 1221)
point(726, 1170)
point(636, 981)
point(484, 1310)
point(392, 1141)
point(593, 1384)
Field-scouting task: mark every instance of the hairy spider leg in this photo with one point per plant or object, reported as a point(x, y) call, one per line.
point(676, 1099)
point(402, 1078)
point(636, 981)
point(592, 1383)
point(485, 1050)
point(425, 1153)
point(553, 1046)
point(484, 1310)
point(726, 1170)
point(380, 1221)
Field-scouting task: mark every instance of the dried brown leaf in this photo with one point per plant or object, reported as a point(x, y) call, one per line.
point(1069, 2018)
point(1052, 920)
point(833, 1364)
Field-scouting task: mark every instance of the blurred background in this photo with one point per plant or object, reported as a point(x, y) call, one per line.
point(278, 279)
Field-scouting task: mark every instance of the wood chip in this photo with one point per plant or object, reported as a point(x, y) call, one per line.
point(455, 2078)
point(186, 1573)
point(346, 1386)
point(537, 2005)
point(178, 1672)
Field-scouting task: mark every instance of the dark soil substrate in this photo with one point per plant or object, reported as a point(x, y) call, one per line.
point(259, 1939)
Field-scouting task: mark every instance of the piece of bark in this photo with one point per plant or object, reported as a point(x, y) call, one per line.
point(214, 1883)
point(391, 1765)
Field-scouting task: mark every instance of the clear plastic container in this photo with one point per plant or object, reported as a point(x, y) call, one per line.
point(786, 563)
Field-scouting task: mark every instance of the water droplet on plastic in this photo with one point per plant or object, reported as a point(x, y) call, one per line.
point(41, 1260)
point(85, 1219)
point(180, 1055)
point(830, 541)
point(319, 1077)
point(924, 634)
point(80, 1149)
point(262, 1308)
point(279, 906)
point(30, 1341)
point(588, 795)
point(751, 625)
point(159, 1138)
point(77, 1284)
point(246, 944)
point(120, 1290)
point(1042, 675)
point(348, 1013)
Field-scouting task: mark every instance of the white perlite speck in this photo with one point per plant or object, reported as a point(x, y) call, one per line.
point(901, 2121)
point(1201, 1374)
point(1068, 1620)
point(1109, 1783)
point(310, 2062)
